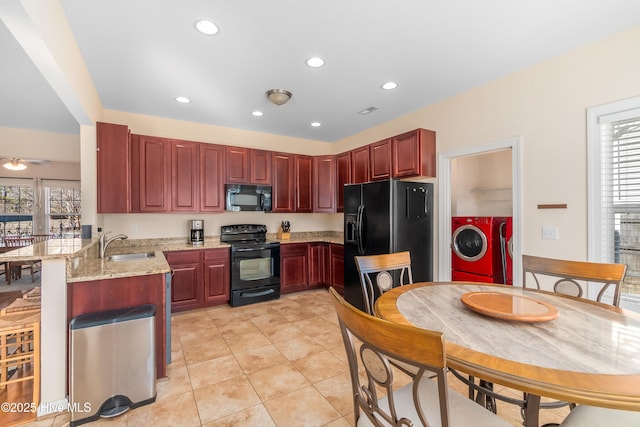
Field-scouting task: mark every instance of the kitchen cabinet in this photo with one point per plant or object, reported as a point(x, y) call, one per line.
point(110, 294)
point(336, 267)
point(324, 184)
point(184, 176)
point(200, 278)
point(414, 154)
point(150, 174)
point(360, 165)
point(303, 189)
point(282, 190)
point(212, 196)
point(260, 167)
point(380, 159)
point(318, 264)
point(113, 186)
point(237, 165)
point(294, 267)
point(343, 176)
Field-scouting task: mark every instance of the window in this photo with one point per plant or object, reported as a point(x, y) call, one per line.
point(63, 211)
point(16, 210)
point(614, 189)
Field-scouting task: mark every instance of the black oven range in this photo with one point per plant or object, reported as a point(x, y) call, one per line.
point(255, 264)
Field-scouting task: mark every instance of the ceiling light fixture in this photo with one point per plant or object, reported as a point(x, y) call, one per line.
point(279, 96)
point(316, 124)
point(315, 62)
point(183, 100)
point(389, 85)
point(257, 113)
point(367, 110)
point(15, 165)
point(206, 27)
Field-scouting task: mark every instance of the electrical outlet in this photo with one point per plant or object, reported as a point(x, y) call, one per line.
point(549, 233)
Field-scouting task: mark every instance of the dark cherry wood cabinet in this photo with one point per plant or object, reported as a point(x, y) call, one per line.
point(336, 268)
point(111, 294)
point(282, 189)
point(216, 266)
point(318, 264)
point(343, 176)
point(303, 184)
point(200, 278)
point(237, 165)
point(212, 196)
point(294, 267)
point(324, 184)
point(150, 174)
point(360, 165)
point(380, 159)
point(260, 167)
point(184, 176)
point(113, 168)
point(414, 154)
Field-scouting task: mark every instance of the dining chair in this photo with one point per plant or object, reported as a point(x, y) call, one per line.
point(14, 268)
point(567, 278)
point(370, 342)
point(377, 274)
point(592, 416)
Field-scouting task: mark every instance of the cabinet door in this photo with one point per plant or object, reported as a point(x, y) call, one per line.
point(237, 165)
point(337, 267)
point(317, 264)
point(294, 267)
point(184, 176)
point(155, 174)
point(282, 191)
point(380, 156)
point(217, 264)
point(260, 167)
point(211, 178)
point(360, 165)
point(303, 189)
point(343, 165)
point(113, 168)
point(324, 184)
point(186, 279)
point(414, 154)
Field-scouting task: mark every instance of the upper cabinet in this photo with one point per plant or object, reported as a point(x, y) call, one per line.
point(247, 166)
point(360, 165)
point(113, 168)
point(303, 191)
point(283, 179)
point(260, 167)
point(150, 174)
point(211, 158)
point(414, 154)
point(380, 159)
point(324, 184)
point(343, 176)
point(184, 176)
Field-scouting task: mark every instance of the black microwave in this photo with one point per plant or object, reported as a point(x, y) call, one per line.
point(243, 197)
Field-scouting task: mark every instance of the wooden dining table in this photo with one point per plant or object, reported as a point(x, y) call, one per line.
point(586, 353)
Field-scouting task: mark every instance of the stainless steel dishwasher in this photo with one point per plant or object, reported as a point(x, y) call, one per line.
point(112, 363)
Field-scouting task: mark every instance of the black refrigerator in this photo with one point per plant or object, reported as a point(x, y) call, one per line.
point(382, 217)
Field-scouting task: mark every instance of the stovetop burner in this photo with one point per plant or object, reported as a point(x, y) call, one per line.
point(244, 235)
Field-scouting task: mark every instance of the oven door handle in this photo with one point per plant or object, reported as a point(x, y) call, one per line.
point(257, 294)
point(253, 248)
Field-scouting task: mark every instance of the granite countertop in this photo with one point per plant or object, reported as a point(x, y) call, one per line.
point(49, 249)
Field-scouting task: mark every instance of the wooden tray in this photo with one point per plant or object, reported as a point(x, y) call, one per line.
point(509, 307)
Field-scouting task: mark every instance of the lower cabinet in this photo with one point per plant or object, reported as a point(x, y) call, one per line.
point(311, 265)
point(199, 278)
point(336, 267)
point(294, 267)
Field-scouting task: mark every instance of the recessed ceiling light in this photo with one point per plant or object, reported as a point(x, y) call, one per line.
point(257, 113)
point(206, 27)
point(315, 62)
point(183, 99)
point(316, 124)
point(389, 85)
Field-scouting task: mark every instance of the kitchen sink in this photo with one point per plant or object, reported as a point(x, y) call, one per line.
point(131, 257)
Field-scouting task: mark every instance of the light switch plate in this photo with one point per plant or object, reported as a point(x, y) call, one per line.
point(549, 233)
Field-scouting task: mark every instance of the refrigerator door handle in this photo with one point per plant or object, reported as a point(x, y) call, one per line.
point(361, 230)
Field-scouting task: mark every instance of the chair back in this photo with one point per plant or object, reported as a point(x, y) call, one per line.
point(570, 277)
point(17, 242)
point(39, 238)
point(377, 274)
point(370, 342)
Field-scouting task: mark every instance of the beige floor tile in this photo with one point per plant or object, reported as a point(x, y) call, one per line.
point(299, 347)
point(180, 410)
point(340, 422)
point(225, 398)
point(177, 383)
point(229, 328)
point(268, 320)
point(256, 359)
point(337, 390)
point(256, 416)
point(302, 408)
point(283, 332)
point(226, 313)
point(319, 366)
point(316, 325)
point(196, 351)
point(277, 380)
point(214, 371)
point(243, 342)
point(329, 340)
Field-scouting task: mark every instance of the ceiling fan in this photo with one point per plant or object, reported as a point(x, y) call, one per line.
point(18, 164)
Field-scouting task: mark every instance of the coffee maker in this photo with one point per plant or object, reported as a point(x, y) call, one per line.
point(196, 232)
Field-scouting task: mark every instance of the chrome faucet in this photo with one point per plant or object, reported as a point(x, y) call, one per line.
point(105, 244)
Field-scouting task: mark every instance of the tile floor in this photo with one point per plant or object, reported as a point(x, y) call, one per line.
point(278, 363)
